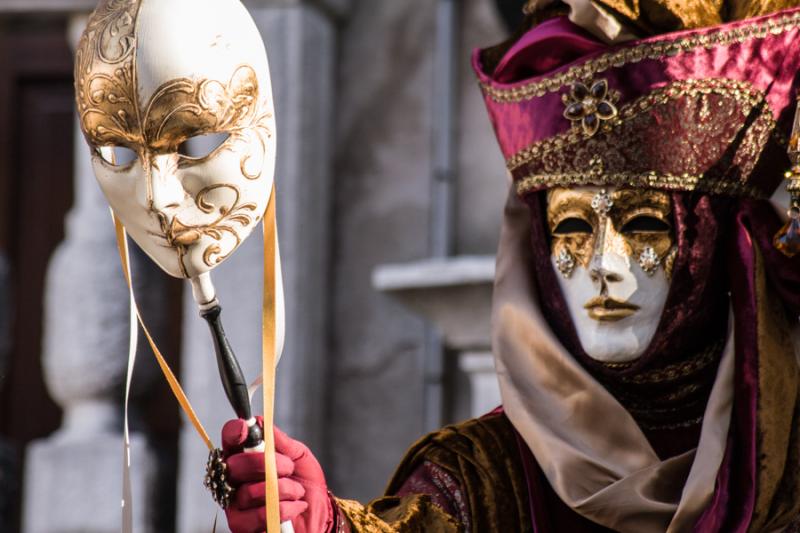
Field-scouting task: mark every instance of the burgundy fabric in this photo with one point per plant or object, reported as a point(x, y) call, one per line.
point(783, 273)
point(755, 223)
point(532, 56)
point(768, 63)
point(443, 489)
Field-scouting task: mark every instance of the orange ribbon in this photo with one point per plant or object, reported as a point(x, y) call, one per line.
point(268, 361)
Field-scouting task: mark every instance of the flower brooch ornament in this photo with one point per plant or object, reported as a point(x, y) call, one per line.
point(588, 106)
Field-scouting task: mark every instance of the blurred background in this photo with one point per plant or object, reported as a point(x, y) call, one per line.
point(390, 195)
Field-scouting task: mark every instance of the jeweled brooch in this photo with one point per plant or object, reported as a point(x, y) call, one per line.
point(589, 106)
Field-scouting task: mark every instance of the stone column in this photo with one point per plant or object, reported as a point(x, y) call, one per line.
point(484, 389)
point(73, 479)
point(300, 39)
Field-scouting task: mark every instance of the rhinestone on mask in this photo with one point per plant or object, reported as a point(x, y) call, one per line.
point(649, 261)
point(565, 263)
point(602, 203)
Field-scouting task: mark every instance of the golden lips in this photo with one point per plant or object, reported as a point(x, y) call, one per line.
point(607, 309)
point(181, 234)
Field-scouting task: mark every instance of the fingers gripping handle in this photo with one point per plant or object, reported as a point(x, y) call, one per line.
point(286, 527)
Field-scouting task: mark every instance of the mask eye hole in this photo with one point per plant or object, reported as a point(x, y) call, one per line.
point(645, 224)
point(117, 156)
point(571, 226)
point(201, 146)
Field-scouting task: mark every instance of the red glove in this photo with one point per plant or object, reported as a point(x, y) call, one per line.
point(302, 490)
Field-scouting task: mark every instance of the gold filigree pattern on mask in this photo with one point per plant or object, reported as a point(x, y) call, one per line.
point(626, 205)
point(105, 75)
point(633, 54)
point(230, 215)
point(646, 144)
point(178, 110)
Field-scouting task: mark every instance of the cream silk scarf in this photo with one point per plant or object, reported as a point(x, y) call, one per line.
point(591, 450)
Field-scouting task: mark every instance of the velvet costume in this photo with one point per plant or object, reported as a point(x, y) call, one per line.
point(485, 475)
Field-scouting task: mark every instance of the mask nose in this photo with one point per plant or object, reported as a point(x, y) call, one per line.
point(602, 278)
point(607, 263)
point(164, 189)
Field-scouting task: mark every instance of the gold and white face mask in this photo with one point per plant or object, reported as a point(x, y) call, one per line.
point(614, 249)
point(175, 100)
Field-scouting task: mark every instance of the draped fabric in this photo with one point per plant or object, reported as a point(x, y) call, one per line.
point(654, 17)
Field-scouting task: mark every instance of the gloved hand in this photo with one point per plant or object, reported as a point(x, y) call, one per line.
point(302, 490)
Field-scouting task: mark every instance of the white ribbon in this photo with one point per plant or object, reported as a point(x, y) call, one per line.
point(127, 492)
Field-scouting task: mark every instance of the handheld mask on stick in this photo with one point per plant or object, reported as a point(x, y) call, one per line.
point(175, 101)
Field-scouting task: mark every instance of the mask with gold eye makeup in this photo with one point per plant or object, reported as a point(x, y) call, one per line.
point(614, 249)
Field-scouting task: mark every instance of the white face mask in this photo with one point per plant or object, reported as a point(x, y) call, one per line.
point(614, 250)
point(175, 99)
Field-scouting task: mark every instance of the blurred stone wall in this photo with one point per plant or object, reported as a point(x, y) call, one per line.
point(381, 190)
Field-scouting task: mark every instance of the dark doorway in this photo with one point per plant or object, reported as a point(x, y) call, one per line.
point(36, 135)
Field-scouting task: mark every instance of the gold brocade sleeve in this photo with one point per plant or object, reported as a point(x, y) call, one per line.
point(410, 514)
point(653, 17)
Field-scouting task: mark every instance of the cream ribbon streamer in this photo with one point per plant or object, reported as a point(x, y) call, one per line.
point(133, 337)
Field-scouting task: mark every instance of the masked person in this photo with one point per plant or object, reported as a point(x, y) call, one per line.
point(643, 318)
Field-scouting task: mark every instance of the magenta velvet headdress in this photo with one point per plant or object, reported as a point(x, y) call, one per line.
point(706, 110)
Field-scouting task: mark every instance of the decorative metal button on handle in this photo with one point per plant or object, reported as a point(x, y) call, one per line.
point(216, 480)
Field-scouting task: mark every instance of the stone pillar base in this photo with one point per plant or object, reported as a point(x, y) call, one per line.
point(75, 486)
point(484, 388)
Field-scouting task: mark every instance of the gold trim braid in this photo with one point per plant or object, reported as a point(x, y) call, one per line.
point(729, 122)
point(637, 53)
point(741, 91)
